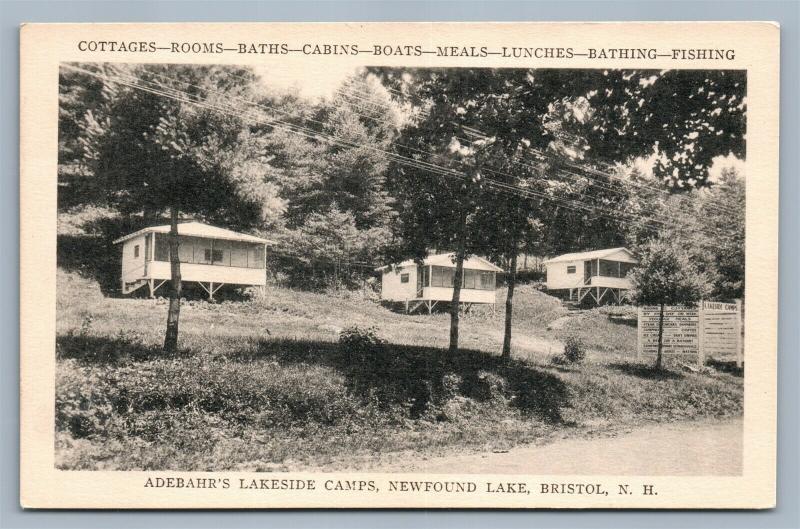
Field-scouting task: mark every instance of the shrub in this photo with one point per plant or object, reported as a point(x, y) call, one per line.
point(451, 385)
point(574, 350)
point(358, 344)
point(82, 405)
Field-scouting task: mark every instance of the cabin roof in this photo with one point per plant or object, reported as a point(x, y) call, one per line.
point(594, 254)
point(199, 229)
point(446, 259)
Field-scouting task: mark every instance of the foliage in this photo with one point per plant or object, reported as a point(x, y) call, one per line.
point(240, 398)
point(329, 250)
point(339, 209)
point(688, 117)
point(666, 275)
point(359, 344)
point(574, 350)
point(708, 222)
point(150, 152)
point(723, 209)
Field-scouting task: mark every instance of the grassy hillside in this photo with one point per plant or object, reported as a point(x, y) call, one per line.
point(264, 385)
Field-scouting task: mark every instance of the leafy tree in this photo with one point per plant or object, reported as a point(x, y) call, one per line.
point(686, 117)
point(666, 275)
point(515, 113)
point(440, 213)
point(155, 151)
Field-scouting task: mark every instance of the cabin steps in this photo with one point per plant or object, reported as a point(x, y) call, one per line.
point(130, 286)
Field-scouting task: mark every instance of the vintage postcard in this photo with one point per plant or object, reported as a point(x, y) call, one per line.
point(407, 265)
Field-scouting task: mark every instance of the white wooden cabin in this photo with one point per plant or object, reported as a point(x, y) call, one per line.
point(209, 256)
point(595, 277)
point(429, 283)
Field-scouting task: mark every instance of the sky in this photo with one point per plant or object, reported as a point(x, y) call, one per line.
point(309, 82)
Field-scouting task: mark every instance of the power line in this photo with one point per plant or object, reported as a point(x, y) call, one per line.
point(609, 175)
point(568, 203)
point(590, 180)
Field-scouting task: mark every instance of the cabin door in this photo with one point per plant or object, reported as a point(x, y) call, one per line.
point(420, 280)
point(587, 271)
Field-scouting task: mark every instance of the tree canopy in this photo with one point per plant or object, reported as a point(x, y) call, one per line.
point(401, 161)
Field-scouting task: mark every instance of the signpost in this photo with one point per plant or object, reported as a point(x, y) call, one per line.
point(711, 328)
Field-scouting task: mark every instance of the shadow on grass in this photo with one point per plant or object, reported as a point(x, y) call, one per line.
point(422, 376)
point(725, 366)
point(645, 371)
point(120, 349)
point(391, 375)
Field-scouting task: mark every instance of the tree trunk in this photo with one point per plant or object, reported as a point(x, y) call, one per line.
point(660, 336)
point(174, 312)
point(512, 280)
point(458, 279)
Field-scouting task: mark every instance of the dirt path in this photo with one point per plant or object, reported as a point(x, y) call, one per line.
point(708, 448)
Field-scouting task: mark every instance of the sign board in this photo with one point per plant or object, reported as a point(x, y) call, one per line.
point(711, 328)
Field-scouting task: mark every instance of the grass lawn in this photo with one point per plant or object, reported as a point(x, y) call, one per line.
point(264, 385)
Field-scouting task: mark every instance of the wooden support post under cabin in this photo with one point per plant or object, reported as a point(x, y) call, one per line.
point(430, 307)
point(150, 287)
point(406, 305)
point(210, 290)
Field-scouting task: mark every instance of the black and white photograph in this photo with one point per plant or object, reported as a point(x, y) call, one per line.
point(439, 270)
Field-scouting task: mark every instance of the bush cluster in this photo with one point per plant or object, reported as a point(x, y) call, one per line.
point(574, 350)
point(373, 369)
point(361, 344)
point(151, 398)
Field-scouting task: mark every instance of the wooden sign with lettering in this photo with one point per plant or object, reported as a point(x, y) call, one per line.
point(711, 328)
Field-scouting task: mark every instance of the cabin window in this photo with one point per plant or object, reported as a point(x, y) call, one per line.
point(442, 276)
point(624, 268)
point(255, 256)
point(404, 278)
point(590, 268)
point(186, 250)
point(470, 279)
point(239, 254)
point(473, 279)
point(136, 251)
point(614, 268)
point(222, 253)
point(571, 269)
point(196, 250)
point(212, 256)
point(162, 248)
point(609, 268)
